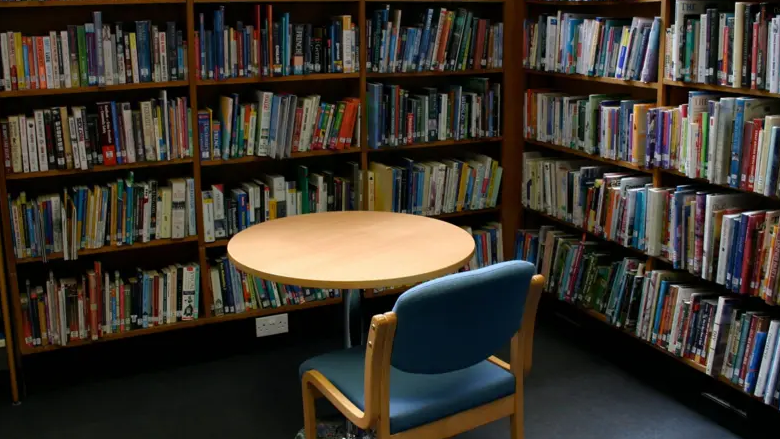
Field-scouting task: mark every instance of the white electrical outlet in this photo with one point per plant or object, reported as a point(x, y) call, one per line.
point(271, 325)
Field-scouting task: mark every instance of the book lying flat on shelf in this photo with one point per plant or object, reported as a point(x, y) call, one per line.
point(53, 139)
point(275, 47)
point(93, 54)
point(119, 213)
point(98, 304)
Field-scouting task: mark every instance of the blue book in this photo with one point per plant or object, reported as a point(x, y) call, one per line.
point(736, 273)
point(755, 362)
point(120, 156)
point(659, 310)
point(202, 37)
point(774, 160)
point(736, 142)
point(639, 218)
point(478, 242)
point(420, 184)
point(732, 254)
point(422, 61)
point(569, 48)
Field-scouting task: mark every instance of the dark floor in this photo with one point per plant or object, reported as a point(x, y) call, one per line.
point(572, 393)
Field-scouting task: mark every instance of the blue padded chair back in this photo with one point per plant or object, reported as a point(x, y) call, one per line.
point(457, 321)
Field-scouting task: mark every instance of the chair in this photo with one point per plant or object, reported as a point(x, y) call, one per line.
point(427, 370)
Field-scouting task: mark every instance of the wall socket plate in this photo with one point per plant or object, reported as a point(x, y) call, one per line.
point(271, 325)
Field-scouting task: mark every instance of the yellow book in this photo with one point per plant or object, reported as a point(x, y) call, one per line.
point(272, 209)
point(492, 183)
point(134, 58)
point(19, 61)
point(464, 178)
point(383, 186)
point(639, 133)
point(66, 137)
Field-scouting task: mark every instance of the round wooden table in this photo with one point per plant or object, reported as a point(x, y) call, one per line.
point(351, 250)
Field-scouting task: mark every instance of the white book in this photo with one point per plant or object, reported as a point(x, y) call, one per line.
point(66, 58)
point(763, 153)
point(720, 334)
point(121, 71)
point(147, 130)
point(264, 120)
point(80, 116)
point(773, 54)
point(739, 35)
point(163, 57)
point(715, 202)
point(22, 130)
point(766, 359)
point(127, 120)
point(134, 58)
point(702, 49)
point(219, 218)
point(147, 209)
point(47, 50)
point(723, 140)
point(32, 144)
point(6, 80)
point(216, 291)
point(72, 134)
point(190, 208)
point(250, 144)
point(725, 245)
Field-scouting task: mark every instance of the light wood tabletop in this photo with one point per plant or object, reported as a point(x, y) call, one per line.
point(360, 249)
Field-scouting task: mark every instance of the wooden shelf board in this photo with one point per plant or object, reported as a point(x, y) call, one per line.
point(114, 248)
point(589, 3)
point(724, 186)
point(288, 78)
point(603, 80)
point(127, 166)
point(435, 73)
point(621, 163)
point(59, 3)
point(26, 350)
point(277, 1)
point(295, 155)
point(429, 1)
point(437, 144)
point(721, 88)
point(217, 243)
point(93, 89)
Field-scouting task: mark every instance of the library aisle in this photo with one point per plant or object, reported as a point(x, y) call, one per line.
point(572, 393)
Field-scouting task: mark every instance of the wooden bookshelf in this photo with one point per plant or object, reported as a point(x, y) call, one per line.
point(198, 92)
point(667, 92)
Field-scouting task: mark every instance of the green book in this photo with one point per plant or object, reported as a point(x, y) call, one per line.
point(82, 43)
point(303, 186)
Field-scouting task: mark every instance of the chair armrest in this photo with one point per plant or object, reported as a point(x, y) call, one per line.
point(500, 363)
point(343, 404)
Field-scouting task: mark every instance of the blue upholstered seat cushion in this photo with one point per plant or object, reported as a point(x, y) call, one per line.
point(416, 399)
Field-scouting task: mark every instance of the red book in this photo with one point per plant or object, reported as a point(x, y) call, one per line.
point(745, 360)
point(297, 129)
point(41, 63)
point(347, 125)
point(99, 294)
point(197, 57)
point(758, 125)
point(93, 308)
point(106, 133)
point(750, 244)
point(754, 56)
point(478, 49)
point(409, 131)
point(747, 142)
point(240, 52)
point(270, 48)
point(724, 78)
point(256, 36)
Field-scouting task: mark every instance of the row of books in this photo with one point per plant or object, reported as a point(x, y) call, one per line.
point(277, 125)
point(275, 48)
point(726, 140)
point(271, 197)
point(722, 334)
point(53, 138)
point(469, 110)
point(97, 304)
point(119, 213)
point(722, 43)
point(93, 54)
point(234, 291)
point(712, 235)
point(434, 187)
point(594, 46)
point(440, 40)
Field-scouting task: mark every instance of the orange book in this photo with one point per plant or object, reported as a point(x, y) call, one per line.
point(347, 124)
point(445, 31)
point(270, 48)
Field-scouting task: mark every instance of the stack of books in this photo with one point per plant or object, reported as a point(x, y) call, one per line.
point(52, 138)
point(440, 40)
point(234, 291)
point(93, 54)
point(275, 47)
point(277, 125)
point(119, 213)
point(594, 46)
point(271, 197)
point(434, 187)
point(98, 303)
point(470, 109)
point(722, 43)
point(489, 245)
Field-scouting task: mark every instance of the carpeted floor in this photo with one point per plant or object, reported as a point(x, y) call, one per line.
point(572, 393)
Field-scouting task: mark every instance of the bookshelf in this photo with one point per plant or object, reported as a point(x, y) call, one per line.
point(664, 92)
point(21, 17)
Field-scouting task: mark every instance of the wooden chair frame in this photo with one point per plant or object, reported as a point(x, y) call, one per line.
point(377, 384)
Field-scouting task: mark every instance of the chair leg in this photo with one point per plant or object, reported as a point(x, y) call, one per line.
point(516, 420)
point(309, 415)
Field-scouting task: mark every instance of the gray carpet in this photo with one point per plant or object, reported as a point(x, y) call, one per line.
point(572, 393)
